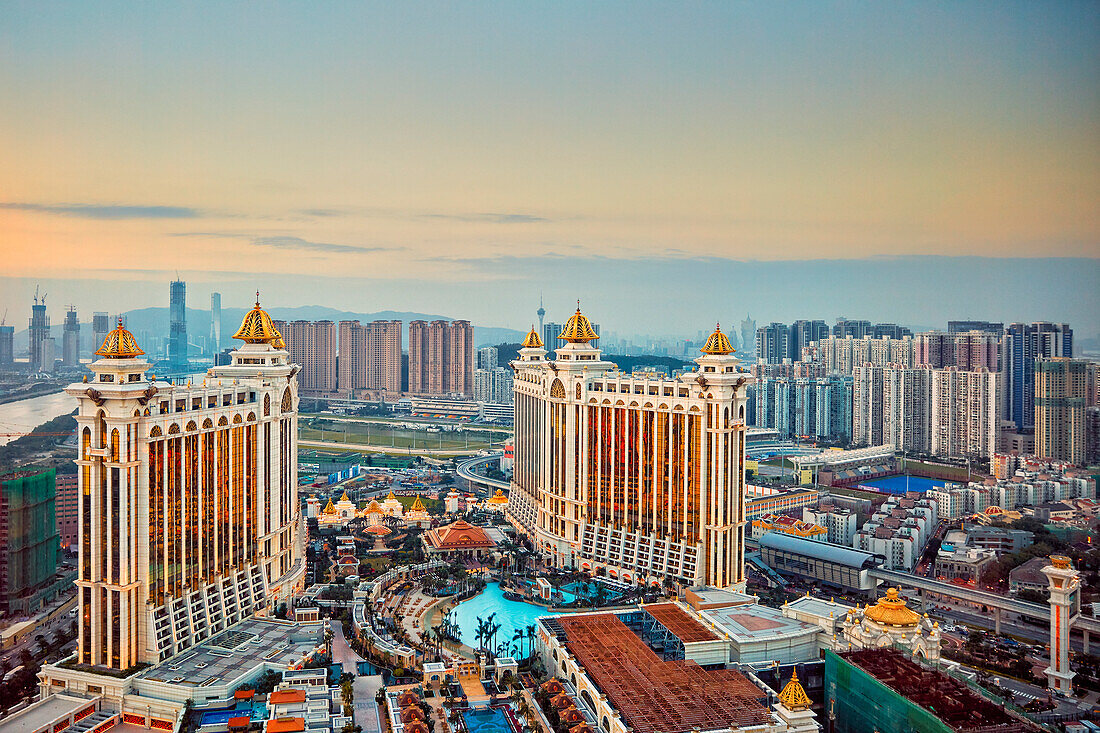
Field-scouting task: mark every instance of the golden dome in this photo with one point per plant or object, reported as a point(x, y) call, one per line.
point(119, 344)
point(1061, 562)
point(498, 498)
point(793, 696)
point(578, 329)
point(374, 507)
point(532, 341)
point(718, 343)
point(329, 508)
point(418, 506)
point(891, 610)
point(256, 328)
point(391, 497)
point(278, 341)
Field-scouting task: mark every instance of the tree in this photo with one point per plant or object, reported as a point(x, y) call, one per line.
point(347, 696)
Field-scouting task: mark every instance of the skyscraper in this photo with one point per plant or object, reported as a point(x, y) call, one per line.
point(189, 510)
point(856, 329)
point(215, 323)
point(487, 358)
point(101, 324)
point(441, 357)
point(311, 345)
point(1022, 344)
point(641, 477)
point(7, 346)
point(992, 327)
point(38, 332)
point(803, 333)
point(370, 357)
point(177, 326)
point(70, 339)
point(748, 336)
point(964, 412)
point(773, 343)
point(1060, 397)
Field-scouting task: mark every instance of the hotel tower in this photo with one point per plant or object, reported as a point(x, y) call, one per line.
point(188, 512)
point(640, 475)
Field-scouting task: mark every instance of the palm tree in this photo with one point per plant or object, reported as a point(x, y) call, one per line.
point(531, 630)
point(519, 635)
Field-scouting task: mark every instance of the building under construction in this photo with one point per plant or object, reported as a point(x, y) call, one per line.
point(28, 541)
point(627, 685)
point(883, 690)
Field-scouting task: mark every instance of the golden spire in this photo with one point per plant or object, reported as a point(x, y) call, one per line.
point(119, 344)
point(329, 508)
point(578, 329)
point(345, 497)
point(532, 341)
point(718, 343)
point(418, 506)
point(793, 696)
point(256, 328)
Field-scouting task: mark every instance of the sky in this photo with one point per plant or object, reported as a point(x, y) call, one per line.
point(668, 164)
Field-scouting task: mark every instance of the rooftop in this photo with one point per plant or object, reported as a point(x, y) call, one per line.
point(948, 699)
point(756, 623)
point(238, 651)
point(44, 712)
point(683, 626)
point(655, 696)
point(818, 550)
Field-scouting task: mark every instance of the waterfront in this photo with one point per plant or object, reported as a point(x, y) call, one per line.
point(23, 416)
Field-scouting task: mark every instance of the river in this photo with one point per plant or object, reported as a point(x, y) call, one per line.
point(24, 416)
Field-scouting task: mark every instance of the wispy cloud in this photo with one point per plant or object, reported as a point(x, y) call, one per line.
point(492, 218)
point(106, 211)
point(297, 243)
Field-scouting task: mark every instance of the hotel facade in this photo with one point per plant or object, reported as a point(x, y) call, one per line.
point(188, 510)
point(641, 476)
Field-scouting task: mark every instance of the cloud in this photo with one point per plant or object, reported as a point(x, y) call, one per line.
point(297, 243)
point(109, 212)
point(492, 218)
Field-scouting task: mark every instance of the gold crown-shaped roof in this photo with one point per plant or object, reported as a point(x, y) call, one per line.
point(257, 328)
point(345, 497)
point(532, 341)
point(718, 343)
point(793, 696)
point(278, 341)
point(891, 610)
point(374, 507)
point(498, 498)
point(578, 329)
point(329, 508)
point(391, 497)
point(119, 344)
point(418, 506)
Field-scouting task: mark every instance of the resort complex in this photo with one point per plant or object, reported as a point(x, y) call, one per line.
point(611, 571)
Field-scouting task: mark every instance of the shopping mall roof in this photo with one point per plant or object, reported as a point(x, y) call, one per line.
point(818, 550)
point(683, 626)
point(656, 696)
point(754, 623)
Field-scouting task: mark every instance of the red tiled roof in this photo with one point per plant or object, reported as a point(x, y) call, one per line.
point(282, 697)
point(242, 721)
point(460, 536)
point(286, 725)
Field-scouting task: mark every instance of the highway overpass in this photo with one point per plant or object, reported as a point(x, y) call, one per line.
point(466, 468)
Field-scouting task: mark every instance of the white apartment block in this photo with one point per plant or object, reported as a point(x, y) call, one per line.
point(890, 406)
point(965, 409)
point(843, 355)
point(899, 531)
point(493, 385)
point(840, 522)
point(953, 500)
point(1031, 489)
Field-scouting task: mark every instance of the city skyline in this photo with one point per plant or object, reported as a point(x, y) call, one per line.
point(553, 150)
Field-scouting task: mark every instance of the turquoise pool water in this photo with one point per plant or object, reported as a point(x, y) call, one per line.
point(489, 720)
point(511, 615)
point(901, 484)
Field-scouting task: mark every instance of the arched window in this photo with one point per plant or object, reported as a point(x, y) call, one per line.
point(85, 442)
point(237, 419)
point(267, 405)
point(578, 391)
point(207, 424)
point(191, 426)
point(174, 429)
point(114, 444)
point(222, 421)
point(251, 417)
point(155, 432)
point(557, 390)
point(288, 401)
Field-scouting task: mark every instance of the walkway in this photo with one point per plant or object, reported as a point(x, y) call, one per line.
point(342, 653)
point(366, 712)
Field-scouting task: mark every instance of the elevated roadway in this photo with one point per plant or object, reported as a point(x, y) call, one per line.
point(996, 602)
point(465, 470)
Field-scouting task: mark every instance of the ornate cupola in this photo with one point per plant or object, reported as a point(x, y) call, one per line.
point(578, 329)
point(263, 352)
point(532, 348)
point(120, 359)
point(119, 344)
point(794, 708)
point(718, 360)
point(578, 353)
point(256, 328)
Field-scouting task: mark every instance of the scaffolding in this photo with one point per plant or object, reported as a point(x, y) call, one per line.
point(657, 696)
point(881, 689)
point(28, 533)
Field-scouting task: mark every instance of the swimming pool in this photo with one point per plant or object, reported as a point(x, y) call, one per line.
point(511, 615)
point(221, 716)
point(488, 720)
point(901, 484)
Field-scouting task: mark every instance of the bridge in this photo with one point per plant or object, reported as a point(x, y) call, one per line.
point(465, 470)
point(994, 601)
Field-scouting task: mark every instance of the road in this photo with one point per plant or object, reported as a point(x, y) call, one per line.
point(465, 471)
point(366, 712)
point(362, 448)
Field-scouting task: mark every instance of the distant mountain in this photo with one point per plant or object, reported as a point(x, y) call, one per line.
point(154, 323)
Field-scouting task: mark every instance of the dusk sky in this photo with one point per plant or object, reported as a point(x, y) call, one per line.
point(668, 164)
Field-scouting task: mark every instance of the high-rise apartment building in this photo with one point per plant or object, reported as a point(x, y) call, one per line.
point(493, 385)
point(804, 333)
point(38, 331)
point(215, 323)
point(965, 412)
point(189, 517)
point(641, 477)
point(370, 357)
point(101, 325)
point(840, 355)
point(773, 343)
point(856, 329)
point(70, 339)
point(47, 354)
point(177, 325)
point(67, 509)
point(1022, 345)
point(487, 357)
point(967, 350)
point(7, 346)
point(891, 330)
point(1060, 388)
point(995, 328)
point(891, 406)
point(28, 540)
point(441, 357)
point(817, 408)
point(312, 346)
